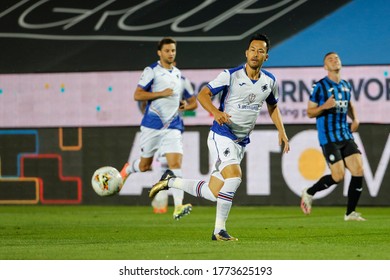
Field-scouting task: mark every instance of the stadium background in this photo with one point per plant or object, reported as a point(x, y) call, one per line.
point(52, 50)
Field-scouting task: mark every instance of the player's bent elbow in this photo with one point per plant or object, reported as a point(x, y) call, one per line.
point(137, 97)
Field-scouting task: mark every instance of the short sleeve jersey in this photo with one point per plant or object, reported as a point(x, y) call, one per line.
point(332, 125)
point(162, 112)
point(187, 88)
point(186, 93)
point(242, 98)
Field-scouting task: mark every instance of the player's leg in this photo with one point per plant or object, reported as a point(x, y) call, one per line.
point(172, 145)
point(354, 163)
point(160, 201)
point(174, 162)
point(323, 183)
point(149, 142)
point(232, 176)
point(229, 156)
point(139, 165)
point(335, 162)
point(215, 184)
point(198, 188)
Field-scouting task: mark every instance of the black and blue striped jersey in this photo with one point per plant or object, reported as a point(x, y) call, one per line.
point(332, 124)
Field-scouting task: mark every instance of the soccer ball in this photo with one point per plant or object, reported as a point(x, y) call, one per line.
point(107, 181)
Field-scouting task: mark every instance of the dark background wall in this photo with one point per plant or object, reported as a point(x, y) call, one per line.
point(106, 35)
point(72, 36)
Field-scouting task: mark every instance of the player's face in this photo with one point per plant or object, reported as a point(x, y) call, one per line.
point(256, 54)
point(332, 62)
point(167, 54)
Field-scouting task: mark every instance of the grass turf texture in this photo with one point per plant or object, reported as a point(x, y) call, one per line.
point(135, 233)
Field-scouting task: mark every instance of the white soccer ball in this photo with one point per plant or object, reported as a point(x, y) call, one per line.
point(107, 181)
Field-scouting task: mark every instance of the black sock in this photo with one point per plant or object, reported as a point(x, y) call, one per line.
point(354, 192)
point(322, 184)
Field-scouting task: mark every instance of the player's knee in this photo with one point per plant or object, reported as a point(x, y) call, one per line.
point(175, 165)
point(359, 171)
point(338, 176)
point(145, 167)
point(231, 185)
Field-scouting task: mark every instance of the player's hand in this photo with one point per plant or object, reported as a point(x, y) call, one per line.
point(283, 141)
point(222, 117)
point(167, 92)
point(355, 125)
point(330, 103)
point(182, 105)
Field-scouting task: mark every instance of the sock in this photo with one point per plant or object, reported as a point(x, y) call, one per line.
point(224, 202)
point(129, 168)
point(322, 184)
point(178, 195)
point(133, 167)
point(354, 191)
point(160, 200)
point(196, 188)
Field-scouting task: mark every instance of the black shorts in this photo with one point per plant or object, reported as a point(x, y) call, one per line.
point(334, 152)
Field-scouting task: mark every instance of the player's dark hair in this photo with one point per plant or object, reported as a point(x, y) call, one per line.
point(165, 41)
point(260, 37)
point(329, 53)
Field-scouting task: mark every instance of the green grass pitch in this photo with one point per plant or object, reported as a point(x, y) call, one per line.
point(135, 233)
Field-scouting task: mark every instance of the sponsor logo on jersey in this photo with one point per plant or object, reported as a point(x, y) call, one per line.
point(226, 153)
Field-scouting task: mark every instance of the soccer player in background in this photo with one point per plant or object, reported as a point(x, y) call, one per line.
point(330, 103)
point(161, 127)
point(160, 201)
point(244, 90)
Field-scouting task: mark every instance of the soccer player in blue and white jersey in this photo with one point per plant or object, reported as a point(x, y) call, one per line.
point(160, 201)
point(330, 103)
point(161, 127)
point(243, 91)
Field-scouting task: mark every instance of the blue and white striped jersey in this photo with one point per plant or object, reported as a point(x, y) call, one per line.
point(332, 124)
point(242, 99)
point(162, 112)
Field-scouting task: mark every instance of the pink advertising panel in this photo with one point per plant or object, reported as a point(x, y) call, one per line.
point(106, 98)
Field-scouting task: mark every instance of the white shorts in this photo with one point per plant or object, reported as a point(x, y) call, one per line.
point(224, 152)
point(165, 141)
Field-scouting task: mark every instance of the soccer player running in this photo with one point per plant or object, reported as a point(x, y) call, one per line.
point(160, 201)
point(161, 127)
point(243, 91)
point(330, 103)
